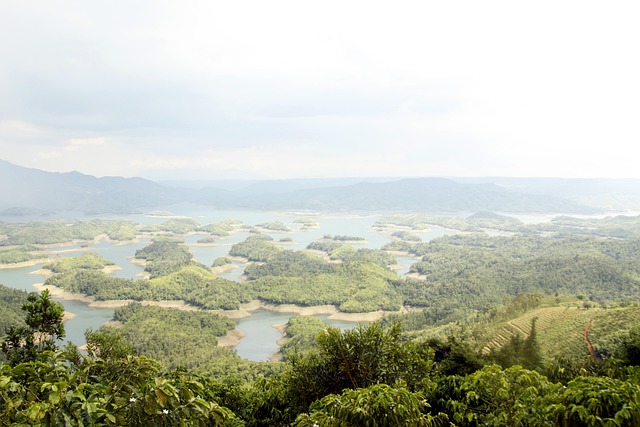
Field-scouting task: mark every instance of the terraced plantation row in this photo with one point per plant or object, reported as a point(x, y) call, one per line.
point(560, 329)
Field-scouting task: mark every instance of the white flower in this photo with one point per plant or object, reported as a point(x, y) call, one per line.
point(165, 411)
point(132, 399)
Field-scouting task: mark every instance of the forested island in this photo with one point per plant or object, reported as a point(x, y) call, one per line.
point(500, 322)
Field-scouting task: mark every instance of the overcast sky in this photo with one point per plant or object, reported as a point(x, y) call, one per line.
point(280, 89)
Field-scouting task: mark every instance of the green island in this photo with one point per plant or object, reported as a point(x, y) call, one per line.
point(533, 325)
point(22, 253)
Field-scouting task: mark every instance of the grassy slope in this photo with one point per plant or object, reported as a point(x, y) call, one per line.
point(561, 328)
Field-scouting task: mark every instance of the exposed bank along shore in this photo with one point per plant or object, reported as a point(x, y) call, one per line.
point(234, 336)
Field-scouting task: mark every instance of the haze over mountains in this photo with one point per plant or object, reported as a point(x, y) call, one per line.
point(25, 190)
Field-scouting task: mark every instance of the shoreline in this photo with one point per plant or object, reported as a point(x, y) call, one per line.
point(29, 263)
point(231, 339)
point(282, 328)
point(416, 276)
point(68, 316)
point(221, 269)
point(330, 310)
point(245, 310)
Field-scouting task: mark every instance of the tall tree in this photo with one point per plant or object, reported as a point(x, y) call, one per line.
point(43, 318)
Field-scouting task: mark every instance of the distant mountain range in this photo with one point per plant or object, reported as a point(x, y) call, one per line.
point(424, 194)
point(598, 193)
point(28, 191)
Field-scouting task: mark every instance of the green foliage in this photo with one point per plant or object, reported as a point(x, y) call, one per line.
point(299, 277)
point(406, 235)
point(200, 287)
point(206, 240)
point(595, 401)
point(616, 227)
point(301, 335)
point(98, 284)
point(43, 319)
point(362, 255)
point(289, 264)
point(255, 248)
point(422, 222)
point(193, 284)
point(96, 392)
point(51, 232)
point(222, 228)
point(344, 238)
point(274, 226)
point(454, 357)
point(378, 405)
point(357, 358)
point(11, 301)
point(221, 261)
point(496, 397)
point(324, 246)
point(519, 351)
point(353, 287)
point(477, 271)
point(164, 257)
point(475, 286)
point(174, 225)
point(629, 351)
point(178, 339)
point(216, 230)
point(13, 256)
point(107, 343)
point(89, 261)
point(306, 222)
point(494, 221)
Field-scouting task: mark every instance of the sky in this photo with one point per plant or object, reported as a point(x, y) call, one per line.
point(301, 89)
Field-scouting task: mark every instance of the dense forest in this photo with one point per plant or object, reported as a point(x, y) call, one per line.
point(501, 323)
point(369, 375)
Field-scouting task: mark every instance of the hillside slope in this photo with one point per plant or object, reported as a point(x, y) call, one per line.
point(26, 189)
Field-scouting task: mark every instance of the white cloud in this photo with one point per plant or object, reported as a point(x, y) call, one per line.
point(86, 143)
point(292, 88)
point(100, 140)
point(19, 129)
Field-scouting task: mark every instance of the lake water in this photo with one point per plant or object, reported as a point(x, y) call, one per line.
point(86, 317)
point(260, 327)
point(260, 336)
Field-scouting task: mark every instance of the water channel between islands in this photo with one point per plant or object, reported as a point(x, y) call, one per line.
point(260, 336)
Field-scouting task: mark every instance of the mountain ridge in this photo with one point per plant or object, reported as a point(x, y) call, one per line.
point(31, 189)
